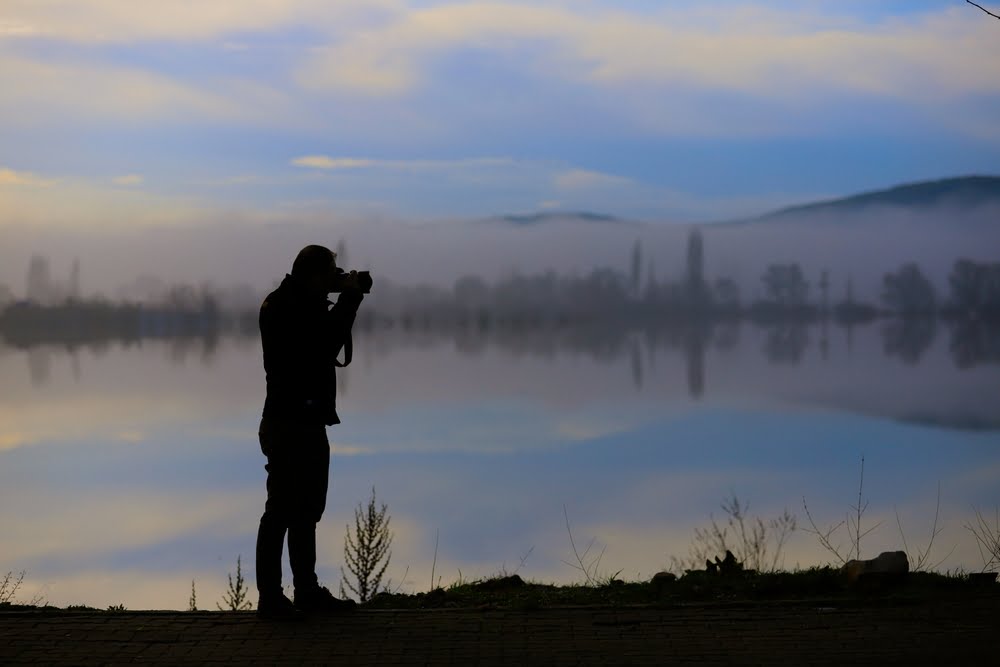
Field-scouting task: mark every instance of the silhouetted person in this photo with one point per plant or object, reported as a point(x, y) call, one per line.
point(301, 335)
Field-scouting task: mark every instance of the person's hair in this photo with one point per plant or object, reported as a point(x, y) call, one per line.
point(312, 260)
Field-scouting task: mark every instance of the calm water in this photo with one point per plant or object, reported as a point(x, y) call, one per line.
point(126, 472)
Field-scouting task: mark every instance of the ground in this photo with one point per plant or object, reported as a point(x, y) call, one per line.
point(939, 629)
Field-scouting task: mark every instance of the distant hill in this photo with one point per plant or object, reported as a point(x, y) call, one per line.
point(964, 192)
point(547, 216)
point(961, 192)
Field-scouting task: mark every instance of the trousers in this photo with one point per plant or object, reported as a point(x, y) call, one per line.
point(298, 475)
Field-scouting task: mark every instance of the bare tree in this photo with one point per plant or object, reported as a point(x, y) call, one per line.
point(983, 8)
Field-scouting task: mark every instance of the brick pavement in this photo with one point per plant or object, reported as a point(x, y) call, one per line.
point(955, 632)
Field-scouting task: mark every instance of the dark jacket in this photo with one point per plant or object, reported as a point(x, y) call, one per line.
point(301, 336)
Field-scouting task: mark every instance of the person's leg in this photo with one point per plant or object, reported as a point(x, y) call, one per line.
point(313, 463)
point(302, 554)
point(274, 522)
point(270, 544)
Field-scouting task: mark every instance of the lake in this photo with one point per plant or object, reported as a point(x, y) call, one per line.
point(127, 471)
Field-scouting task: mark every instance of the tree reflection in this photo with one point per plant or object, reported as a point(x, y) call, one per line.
point(975, 342)
point(694, 353)
point(908, 338)
point(39, 365)
point(786, 342)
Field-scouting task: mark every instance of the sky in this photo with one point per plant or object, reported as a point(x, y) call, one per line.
point(118, 113)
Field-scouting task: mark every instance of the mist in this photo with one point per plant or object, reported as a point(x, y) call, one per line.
point(859, 248)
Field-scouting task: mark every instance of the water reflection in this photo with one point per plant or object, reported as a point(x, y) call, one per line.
point(908, 338)
point(786, 343)
point(129, 468)
point(706, 347)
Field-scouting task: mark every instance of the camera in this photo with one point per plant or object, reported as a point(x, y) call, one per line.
point(359, 280)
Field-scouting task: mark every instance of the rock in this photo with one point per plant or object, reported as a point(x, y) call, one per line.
point(663, 578)
point(888, 564)
point(728, 566)
point(501, 583)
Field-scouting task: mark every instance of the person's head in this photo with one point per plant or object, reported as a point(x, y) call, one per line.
point(316, 266)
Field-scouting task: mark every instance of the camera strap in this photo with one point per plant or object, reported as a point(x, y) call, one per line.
point(348, 352)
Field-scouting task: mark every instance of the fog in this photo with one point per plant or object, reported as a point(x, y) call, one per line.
point(859, 246)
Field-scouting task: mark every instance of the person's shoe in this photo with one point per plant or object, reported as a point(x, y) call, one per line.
point(277, 608)
point(322, 600)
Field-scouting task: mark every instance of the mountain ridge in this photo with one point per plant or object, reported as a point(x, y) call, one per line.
point(964, 191)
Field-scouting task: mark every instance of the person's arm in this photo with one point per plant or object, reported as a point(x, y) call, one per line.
point(342, 317)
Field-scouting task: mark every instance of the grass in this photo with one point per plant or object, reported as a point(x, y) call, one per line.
point(819, 585)
point(824, 584)
point(757, 577)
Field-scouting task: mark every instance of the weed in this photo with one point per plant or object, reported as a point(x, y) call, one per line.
point(587, 564)
point(117, 608)
point(10, 584)
point(756, 544)
point(987, 538)
point(437, 534)
point(367, 552)
point(921, 563)
point(503, 572)
point(193, 600)
point(235, 599)
point(852, 524)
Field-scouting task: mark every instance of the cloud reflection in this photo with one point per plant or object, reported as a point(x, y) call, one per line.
point(490, 465)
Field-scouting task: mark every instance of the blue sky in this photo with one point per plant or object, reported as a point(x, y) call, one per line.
point(124, 113)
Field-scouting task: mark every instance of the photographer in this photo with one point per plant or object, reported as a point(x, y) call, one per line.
point(301, 336)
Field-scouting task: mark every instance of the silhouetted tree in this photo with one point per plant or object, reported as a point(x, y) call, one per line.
point(471, 291)
point(39, 280)
point(341, 252)
point(824, 291)
point(727, 293)
point(695, 290)
point(6, 296)
point(907, 292)
point(786, 285)
point(636, 275)
point(74, 280)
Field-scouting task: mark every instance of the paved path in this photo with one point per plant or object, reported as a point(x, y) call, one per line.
point(947, 633)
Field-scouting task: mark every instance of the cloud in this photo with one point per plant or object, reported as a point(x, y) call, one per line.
point(130, 95)
point(128, 179)
point(80, 203)
point(12, 440)
point(325, 162)
point(748, 49)
point(582, 179)
point(9, 177)
point(124, 21)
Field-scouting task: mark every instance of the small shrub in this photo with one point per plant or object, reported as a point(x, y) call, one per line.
point(367, 551)
point(10, 584)
point(236, 598)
